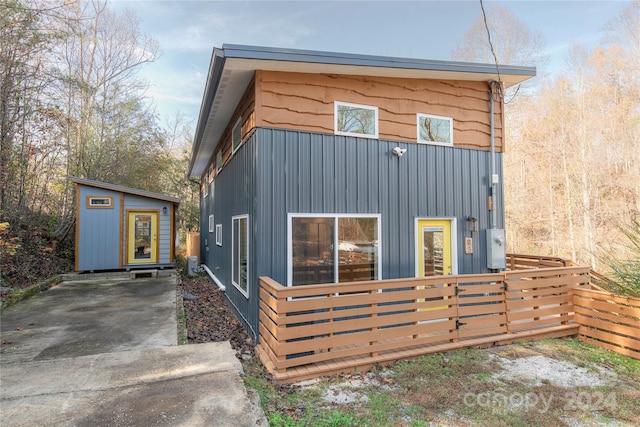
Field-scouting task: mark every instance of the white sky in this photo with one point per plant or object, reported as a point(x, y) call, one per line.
point(188, 30)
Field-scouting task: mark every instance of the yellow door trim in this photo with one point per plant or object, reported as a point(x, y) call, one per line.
point(154, 241)
point(449, 252)
point(448, 244)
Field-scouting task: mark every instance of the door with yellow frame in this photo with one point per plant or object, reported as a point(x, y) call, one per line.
point(142, 237)
point(434, 251)
point(435, 257)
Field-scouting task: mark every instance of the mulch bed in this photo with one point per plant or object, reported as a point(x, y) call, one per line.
point(209, 318)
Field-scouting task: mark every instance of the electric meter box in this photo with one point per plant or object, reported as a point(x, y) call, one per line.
point(496, 249)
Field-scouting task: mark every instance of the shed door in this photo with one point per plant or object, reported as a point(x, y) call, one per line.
point(142, 238)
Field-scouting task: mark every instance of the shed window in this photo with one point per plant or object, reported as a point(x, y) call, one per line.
point(211, 223)
point(356, 120)
point(100, 202)
point(333, 248)
point(435, 129)
point(205, 186)
point(240, 254)
point(236, 135)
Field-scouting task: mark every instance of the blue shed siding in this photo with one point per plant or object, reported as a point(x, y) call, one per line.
point(277, 172)
point(98, 244)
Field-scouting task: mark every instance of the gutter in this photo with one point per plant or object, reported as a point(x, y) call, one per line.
point(213, 81)
point(214, 278)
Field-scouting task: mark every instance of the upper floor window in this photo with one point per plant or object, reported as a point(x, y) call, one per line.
point(236, 134)
point(435, 129)
point(218, 161)
point(356, 120)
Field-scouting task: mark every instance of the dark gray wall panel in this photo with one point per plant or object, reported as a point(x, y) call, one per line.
point(277, 172)
point(321, 173)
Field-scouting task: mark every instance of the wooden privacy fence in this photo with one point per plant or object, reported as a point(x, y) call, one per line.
point(608, 321)
point(314, 330)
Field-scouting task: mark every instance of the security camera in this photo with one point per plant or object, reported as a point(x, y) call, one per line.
point(399, 151)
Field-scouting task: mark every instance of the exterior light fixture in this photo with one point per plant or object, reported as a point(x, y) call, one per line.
point(472, 224)
point(164, 210)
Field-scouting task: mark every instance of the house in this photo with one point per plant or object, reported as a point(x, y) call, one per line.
point(123, 228)
point(322, 167)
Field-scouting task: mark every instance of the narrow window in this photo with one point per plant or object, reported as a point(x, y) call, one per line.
point(211, 223)
point(219, 234)
point(356, 120)
point(219, 161)
point(210, 173)
point(236, 135)
point(334, 249)
point(205, 185)
point(435, 129)
point(99, 202)
point(240, 254)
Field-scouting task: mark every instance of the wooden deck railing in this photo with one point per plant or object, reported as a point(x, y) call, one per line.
point(314, 330)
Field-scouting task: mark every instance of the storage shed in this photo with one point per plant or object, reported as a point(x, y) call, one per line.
point(123, 228)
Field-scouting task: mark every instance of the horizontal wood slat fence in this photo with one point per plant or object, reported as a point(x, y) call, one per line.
point(525, 262)
point(608, 321)
point(313, 330)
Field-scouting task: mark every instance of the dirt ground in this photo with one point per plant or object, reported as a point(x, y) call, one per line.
point(209, 317)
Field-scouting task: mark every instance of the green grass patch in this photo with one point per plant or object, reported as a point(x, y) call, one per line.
point(459, 388)
point(22, 294)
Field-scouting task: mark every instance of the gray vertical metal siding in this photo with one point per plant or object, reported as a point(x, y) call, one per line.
point(277, 172)
point(98, 243)
point(303, 172)
point(235, 194)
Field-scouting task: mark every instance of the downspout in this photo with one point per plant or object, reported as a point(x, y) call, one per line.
point(213, 277)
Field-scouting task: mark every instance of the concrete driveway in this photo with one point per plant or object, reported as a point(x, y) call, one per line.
point(104, 352)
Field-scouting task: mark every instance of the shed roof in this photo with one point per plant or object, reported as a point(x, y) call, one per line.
point(232, 67)
point(122, 189)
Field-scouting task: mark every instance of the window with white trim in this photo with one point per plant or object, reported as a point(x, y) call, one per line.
point(236, 135)
point(211, 223)
point(219, 161)
point(240, 254)
point(219, 234)
point(99, 201)
point(435, 129)
point(356, 120)
point(333, 248)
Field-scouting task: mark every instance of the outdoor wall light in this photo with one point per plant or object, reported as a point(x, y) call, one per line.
point(399, 151)
point(472, 224)
point(164, 210)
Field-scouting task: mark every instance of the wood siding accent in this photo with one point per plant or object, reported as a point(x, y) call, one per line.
point(306, 102)
point(245, 109)
point(607, 321)
point(313, 330)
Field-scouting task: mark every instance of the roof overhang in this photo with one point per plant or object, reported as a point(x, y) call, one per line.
point(126, 190)
point(233, 66)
